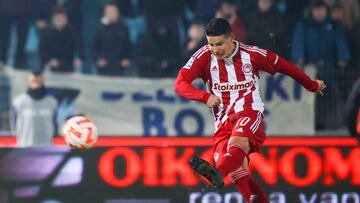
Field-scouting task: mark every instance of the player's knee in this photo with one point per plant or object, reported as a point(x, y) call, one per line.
point(242, 142)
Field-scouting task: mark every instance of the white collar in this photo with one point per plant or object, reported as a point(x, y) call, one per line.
point(235, 51)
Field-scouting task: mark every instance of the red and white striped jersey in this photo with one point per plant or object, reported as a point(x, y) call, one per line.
point(235, 80)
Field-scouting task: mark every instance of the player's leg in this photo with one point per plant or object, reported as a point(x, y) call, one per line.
point(228, 158)
point(237, 149)
point(244, 124)
point(208, 170)
point(246, 136)
point(246, 185)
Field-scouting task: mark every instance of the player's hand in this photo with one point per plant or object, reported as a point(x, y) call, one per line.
point(213, 101)
point(321, 86)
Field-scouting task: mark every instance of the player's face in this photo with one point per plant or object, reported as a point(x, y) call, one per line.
point(221, 46)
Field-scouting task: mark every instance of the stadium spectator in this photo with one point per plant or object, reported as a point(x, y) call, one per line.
point(112, 47)
point(294, 12)
point(347, 75)
point(60, 48)
point(265, 26)
point(230, 70)
point(352, 113)
point(166, 14)
point(338, 14)
point(44, 11)
point(351, 8)
point(319, 41)
point(159, 63)
point(14, 12)
point(316, 38)
point(33, 114)
point(196, 39)
point(129, 8)
point(157, 52)
point(228, 11)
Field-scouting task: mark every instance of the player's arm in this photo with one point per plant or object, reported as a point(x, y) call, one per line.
point(188, 73)
point(272, 63)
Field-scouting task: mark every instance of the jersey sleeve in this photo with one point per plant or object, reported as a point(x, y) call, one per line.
point(192, 70)
point(272, 63)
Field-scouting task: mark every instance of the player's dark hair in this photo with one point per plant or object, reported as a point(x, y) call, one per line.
point(218, 26)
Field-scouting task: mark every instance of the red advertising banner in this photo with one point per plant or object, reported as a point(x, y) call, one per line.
point(305, 170)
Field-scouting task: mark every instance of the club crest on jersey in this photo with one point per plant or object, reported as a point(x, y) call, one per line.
point(247, 68)
point(189, 63)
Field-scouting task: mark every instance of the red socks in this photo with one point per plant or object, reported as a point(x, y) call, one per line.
point(232, 160)
point(229, 164)
point(248, 188)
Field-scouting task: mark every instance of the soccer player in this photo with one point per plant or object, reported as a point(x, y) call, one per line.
point(230, 70)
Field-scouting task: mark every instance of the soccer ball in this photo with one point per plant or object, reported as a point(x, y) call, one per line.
point(80, 132)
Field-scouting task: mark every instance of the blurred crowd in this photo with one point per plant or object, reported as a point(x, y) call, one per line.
point(154, 38)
